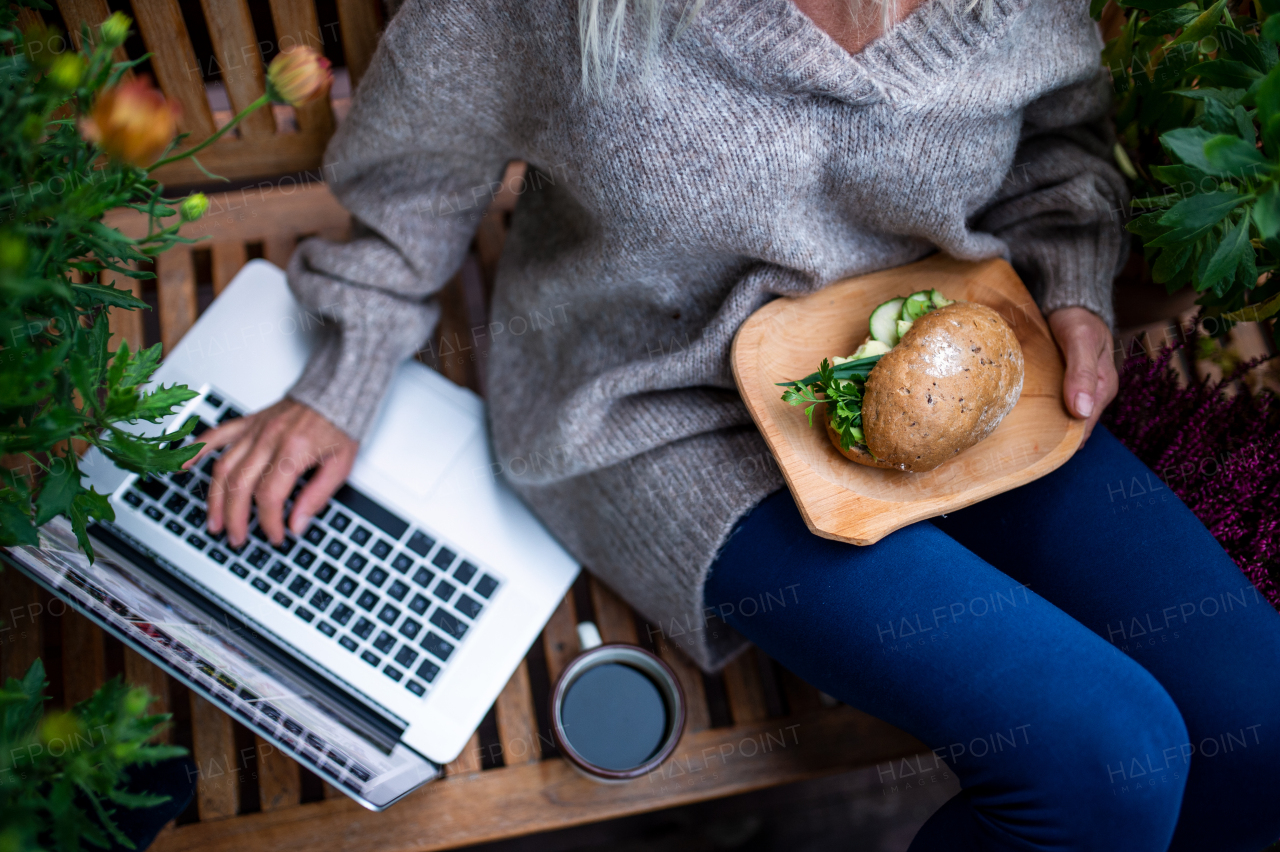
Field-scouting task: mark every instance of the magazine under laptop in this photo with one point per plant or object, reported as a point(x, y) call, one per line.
point(226, 662)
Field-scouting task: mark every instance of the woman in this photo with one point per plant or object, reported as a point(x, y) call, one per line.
point(693, 163)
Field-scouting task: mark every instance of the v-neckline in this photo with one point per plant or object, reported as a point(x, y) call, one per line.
point(783, 50)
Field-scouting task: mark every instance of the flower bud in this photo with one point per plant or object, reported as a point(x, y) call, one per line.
point(136, 701)
point(131, 122)
point(193, 206)
point(59, 726)
point(297, 76)
point(67, 71)
point(115, 29)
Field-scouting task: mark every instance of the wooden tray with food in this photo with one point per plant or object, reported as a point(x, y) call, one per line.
point(930, 387)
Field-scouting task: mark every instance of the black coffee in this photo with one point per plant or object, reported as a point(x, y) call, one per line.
point(614, 717)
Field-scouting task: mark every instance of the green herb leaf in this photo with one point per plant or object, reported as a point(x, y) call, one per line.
point(1192, 217)
point(1233, 156)
point(1226, 72)
point(1266, 213)
point(1228, 256)
point(1168, 21)
point(1204, 24)
point(58, 490)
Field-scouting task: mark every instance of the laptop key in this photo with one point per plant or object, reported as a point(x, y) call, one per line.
point(346, 586)
point(304, 613)
point(327, 629)
point(464, 572)
point(367, 600)
point(370, 658)
point(237, 549)
point(342, 614)
point(428, 671)
point(397, 590)
point(153, 513)
point(326, 572)
point(444, 558)
point(218, 556)
point(485, 586)
point(385, 642)
point(282, 599)
point(133, 499)
point(258, 558)
point(423, 577)
point(153, 488)
point(388, 614)
point(321, 600)
point(355, 563)
point(468, 606)
point(376, 578)
point(207, 467)
point(382, 549)
point(303, 558)
point(200, 490)
point(419, 604)
point(416, 688)
point(238, 569)
point(409, 629)
point(444, 590)
point(213, 399)
point(449, 623)
point(393, 673)
point(314, 534)
point(421, 543)
point(402, 563)
point(335, 548)
point(175, 528)
point(279, 572)
point(261, 585)
point(348, 643)
point(229, 414)
point(176, 503)
point(324, 510)
point(300, 585)
point(340, 522)
point(406, 655)
point(436, 644)
point(361, 535)
point(196, 517)
point(286, 546)
point(196, 541)
point(363, 628)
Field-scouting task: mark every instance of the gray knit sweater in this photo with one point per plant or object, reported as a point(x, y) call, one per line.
point(757, 160)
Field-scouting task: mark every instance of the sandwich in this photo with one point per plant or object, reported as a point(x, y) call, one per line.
point(933, 378)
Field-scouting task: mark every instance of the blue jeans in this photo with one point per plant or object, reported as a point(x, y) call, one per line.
point(1079, 651)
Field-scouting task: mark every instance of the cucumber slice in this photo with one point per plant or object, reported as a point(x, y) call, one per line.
point(884, 321)
point(868, 349)
point(939, 300)
point(903, 327)
point(917, 305)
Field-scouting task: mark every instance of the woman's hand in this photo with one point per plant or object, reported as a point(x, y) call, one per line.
point(269, 450)
point(1091, 381)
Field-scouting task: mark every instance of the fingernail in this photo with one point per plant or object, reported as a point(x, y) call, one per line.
point(1084, 404)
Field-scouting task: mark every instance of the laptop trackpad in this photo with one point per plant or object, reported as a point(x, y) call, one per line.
point(418, 432)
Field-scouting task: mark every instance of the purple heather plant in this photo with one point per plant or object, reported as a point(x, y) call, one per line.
point(1219, 453)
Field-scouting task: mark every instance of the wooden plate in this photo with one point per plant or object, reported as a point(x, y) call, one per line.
point(788, 338)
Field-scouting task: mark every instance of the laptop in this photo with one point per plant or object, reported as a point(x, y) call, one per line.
point(370, 648)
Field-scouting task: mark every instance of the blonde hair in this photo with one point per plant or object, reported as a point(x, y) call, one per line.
point(600, 29)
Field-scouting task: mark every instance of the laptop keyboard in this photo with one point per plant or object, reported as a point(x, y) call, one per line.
point(400, 598)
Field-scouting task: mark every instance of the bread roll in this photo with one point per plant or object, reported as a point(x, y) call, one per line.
point(944, 387)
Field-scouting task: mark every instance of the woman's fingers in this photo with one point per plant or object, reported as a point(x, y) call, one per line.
point(218, 437)
point(240, 484)
point(1089, 383)
point(333, 471)
point(225, 464)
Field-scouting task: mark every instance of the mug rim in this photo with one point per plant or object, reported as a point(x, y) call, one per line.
point(582, 663)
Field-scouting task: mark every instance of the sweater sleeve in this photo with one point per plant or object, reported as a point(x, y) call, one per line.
point(416, 162)
point(1061, 208)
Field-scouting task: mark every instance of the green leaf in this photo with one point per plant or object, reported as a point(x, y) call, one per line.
point(1218, 117)
point(1233, 156)
point(97, 294)
point(1187, 145)
point(16, 527)
point(1271, 29)
point(59, 489)
point(142, 456)
point(1191, 217)
point(1168, 21)
point(1267, 99)
point(1203, 25)
point(89, 505)
point(155, 406)
point(1237, 44)
point(1186, 179)
point(1266, 213)
point(1226, 72)
point(1151, 5)
point(1171, 262)
point(1228, 255)
point(1256, 313)
point(1229, 97)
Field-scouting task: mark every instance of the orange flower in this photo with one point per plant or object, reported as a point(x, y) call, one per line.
point(131, 122)
point(297, 76)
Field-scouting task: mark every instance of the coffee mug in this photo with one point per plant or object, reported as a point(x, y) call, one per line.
point(617, 711)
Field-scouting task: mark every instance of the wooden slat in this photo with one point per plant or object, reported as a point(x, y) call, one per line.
point(296, 23)
point(227, 259)
point(240, 159)
point(91, 12)
point(84, 664)
point(802, 698)
point(742, 683)
point(533, 797)
point(359, 21)
point(279, 782)
point(278, 248)
point(517, 722)
point(176, 292)
point(28, 18)
point(560, 637)
point(126, 326)
point(213, 749)
point(21, 628)
point(467, 761)
point(613, 616)
point(175, 64)
point(236, 46)
point(696, 715)
point(251, 215)
point(139, 671)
